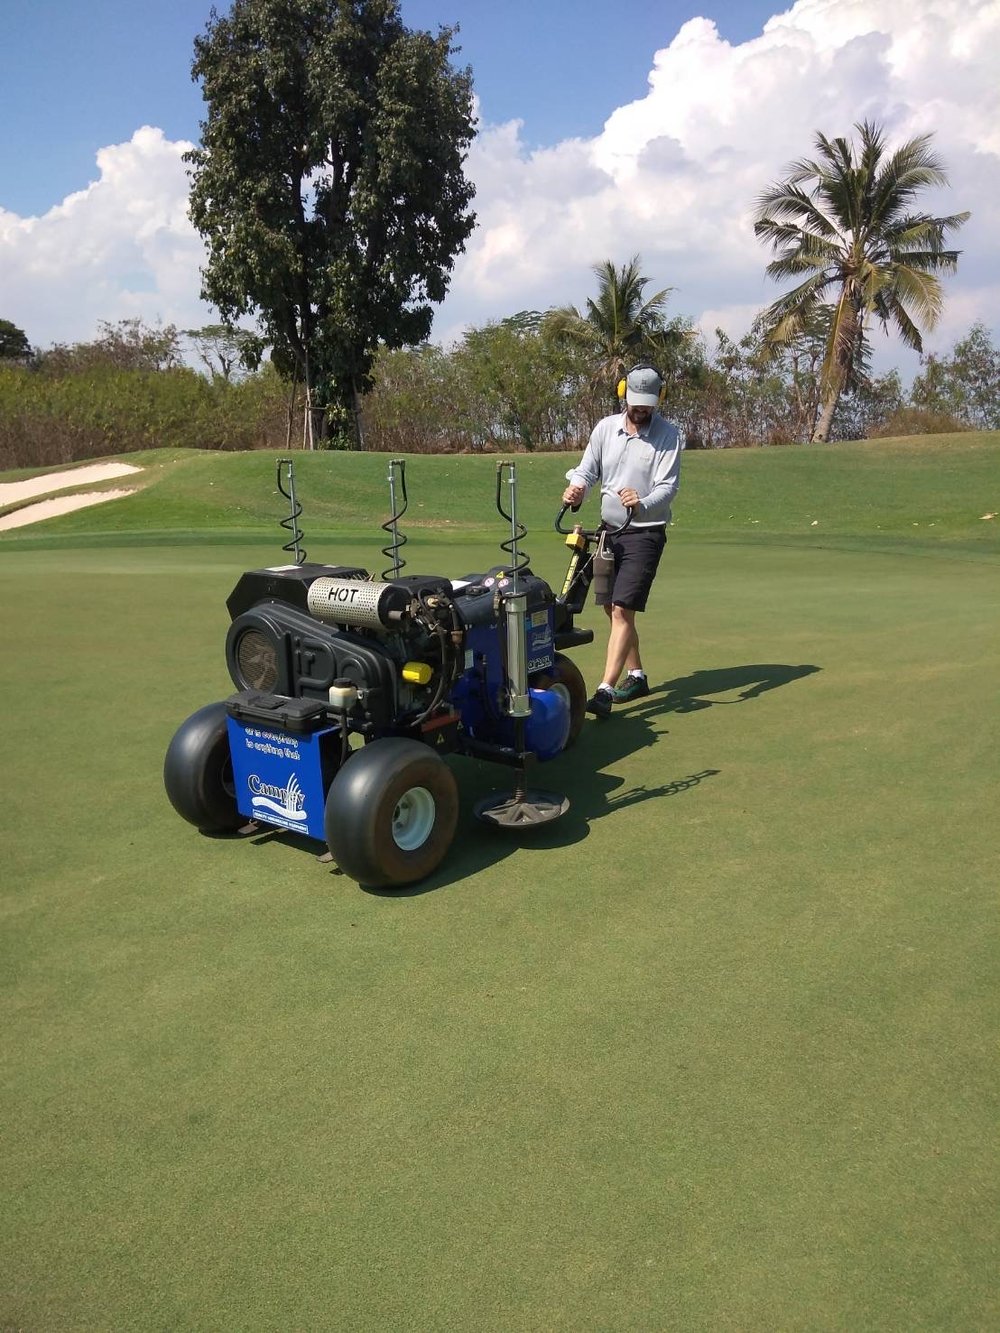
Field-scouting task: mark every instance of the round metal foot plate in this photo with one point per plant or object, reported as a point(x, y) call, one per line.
point(516, 810)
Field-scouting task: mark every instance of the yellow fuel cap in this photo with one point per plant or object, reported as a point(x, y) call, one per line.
point(417, 673)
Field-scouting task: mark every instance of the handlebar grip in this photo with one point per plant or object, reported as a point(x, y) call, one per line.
point(629, 513)
point(559, 518)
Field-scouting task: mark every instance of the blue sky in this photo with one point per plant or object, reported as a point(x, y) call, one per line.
point(77, 76)
point(642, 126)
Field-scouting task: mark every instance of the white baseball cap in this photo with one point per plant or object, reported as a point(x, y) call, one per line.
point(642, 388)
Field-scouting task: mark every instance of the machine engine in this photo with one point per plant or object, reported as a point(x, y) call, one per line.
point(420, 653)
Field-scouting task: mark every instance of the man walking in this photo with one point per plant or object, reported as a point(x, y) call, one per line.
point(636, 457)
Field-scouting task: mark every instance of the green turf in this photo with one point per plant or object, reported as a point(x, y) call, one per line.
point(715, 1051)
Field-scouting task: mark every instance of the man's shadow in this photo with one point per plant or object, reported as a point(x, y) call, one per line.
point(687, 694)
point(633, 727)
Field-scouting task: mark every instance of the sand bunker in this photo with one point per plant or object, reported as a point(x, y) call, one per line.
point(13, 492)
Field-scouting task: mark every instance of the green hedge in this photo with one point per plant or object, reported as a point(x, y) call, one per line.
point(48, 419)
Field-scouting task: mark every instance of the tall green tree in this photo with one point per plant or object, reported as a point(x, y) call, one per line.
point(966, 384)
point(14, 345)
point(129, 344)
point(224, 351)
point(329, 184)
point(842, 223)
point(621, 325)
point(522, 383)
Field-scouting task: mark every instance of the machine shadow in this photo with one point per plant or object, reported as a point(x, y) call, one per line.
point(579, 774)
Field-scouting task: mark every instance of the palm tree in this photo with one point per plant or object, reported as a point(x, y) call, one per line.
point(622, 326)
point(858, 249)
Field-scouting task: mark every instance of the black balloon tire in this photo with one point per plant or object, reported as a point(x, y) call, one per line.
point(565, 675)
point(363, 800)
point(198, 772)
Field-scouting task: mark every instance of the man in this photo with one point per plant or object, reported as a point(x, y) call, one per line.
point(636, 457)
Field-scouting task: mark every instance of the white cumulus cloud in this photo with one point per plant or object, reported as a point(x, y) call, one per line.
point(123, 247)
point(674, 175)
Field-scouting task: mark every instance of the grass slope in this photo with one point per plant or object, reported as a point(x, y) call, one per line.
point(930, 489)
point(714, 1051)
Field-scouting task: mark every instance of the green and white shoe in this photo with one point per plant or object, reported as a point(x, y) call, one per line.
point(635, 687)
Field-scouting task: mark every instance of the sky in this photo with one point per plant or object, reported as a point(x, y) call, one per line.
point(605, 130)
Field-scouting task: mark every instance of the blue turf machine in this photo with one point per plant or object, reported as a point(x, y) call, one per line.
point(351, 690)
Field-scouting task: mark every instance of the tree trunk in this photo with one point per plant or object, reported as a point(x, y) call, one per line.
point(840, 359)
point(292, 394)
point(822, 431)
point(314, 419)
point(359, 424)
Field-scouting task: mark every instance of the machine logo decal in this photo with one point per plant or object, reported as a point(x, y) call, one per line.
point(289, 802)
point(279, 775)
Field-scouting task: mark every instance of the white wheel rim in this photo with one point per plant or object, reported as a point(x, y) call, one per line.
point(413, 819)
point(560, 689)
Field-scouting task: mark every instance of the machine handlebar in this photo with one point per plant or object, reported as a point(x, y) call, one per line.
point(611, 532)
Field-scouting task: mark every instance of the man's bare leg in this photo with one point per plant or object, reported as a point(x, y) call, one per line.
point(623, 644)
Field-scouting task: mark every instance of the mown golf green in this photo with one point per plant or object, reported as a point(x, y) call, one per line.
point(717, 1050)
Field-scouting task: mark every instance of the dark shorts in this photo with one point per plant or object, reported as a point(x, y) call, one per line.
point(637, 556)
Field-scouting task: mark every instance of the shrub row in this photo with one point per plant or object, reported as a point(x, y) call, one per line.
point(50, 419)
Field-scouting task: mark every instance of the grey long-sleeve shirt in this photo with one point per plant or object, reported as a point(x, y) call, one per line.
point(649, 463)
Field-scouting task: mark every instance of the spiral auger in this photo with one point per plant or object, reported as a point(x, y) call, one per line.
point(525, 806)
point(507, 472)
point(397, 469)
point(291, 523)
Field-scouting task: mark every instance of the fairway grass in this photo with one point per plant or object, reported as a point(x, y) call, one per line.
point(716, 1050)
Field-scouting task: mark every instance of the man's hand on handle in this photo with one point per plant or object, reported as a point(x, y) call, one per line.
point(629, 497)
point(573, 495)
